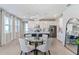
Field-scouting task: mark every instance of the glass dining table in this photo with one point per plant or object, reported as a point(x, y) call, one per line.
point(37, 34)
point(35, 40)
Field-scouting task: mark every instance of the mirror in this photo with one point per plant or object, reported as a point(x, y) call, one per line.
point(72, 33)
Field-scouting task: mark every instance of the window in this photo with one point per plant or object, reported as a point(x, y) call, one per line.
point(6, 24)
point(26, 27)
point(17, 25)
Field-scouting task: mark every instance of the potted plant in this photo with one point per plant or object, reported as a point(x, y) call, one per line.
point(77, 43)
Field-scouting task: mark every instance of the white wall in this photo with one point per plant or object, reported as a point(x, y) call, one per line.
point(72, 11)
point(59, 29)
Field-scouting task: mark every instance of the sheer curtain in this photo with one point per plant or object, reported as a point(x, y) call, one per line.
point(17, 25)
point(6, 24)
point(26, 29)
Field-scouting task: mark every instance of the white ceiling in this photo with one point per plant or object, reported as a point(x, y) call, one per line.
point(30, 10)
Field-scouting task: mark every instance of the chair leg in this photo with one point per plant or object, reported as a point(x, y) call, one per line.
point(44, 53)
point(30, 43)
point(21, 52)
point(25, 53)
point(49, 52)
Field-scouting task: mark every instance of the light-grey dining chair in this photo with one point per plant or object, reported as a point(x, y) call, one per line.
point(25, 48)
point(45, 47)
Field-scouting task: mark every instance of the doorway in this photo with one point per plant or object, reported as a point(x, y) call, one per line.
point(53, 31)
